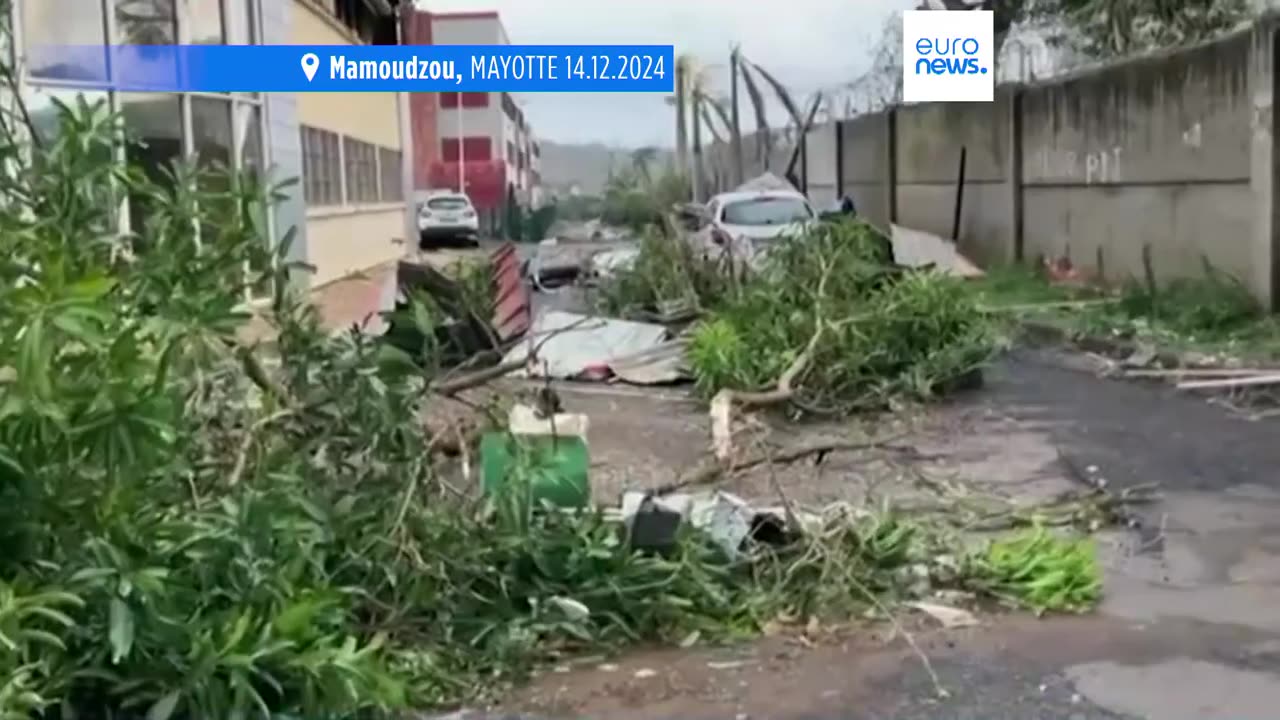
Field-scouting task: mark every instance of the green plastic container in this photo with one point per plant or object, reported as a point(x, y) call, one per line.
point(559, 466)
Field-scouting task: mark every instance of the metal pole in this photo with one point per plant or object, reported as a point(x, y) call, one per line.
point(697, 148)
point(736, 143)
point(462, 164)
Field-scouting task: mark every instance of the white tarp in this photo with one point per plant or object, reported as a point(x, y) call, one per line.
point(573, 343)
point(917, 248)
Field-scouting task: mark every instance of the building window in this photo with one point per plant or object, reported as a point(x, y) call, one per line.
point(476, 148)
point(321, 167)
point(241, 23)
point(389, 168)
point(449, 150)
point(161, 128)
point(153, 125)
point(361, 161)
point(511, 152)
point(205, 23)
point(469, 99)
point(145, 22)
point(50, 23)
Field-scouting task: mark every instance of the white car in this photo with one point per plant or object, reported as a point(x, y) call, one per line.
point(447, 217)
point(749, 221)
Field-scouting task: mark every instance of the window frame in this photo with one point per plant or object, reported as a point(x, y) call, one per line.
point(27, 83)
point(390, 177)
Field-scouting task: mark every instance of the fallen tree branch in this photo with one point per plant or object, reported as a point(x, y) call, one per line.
point(1229, 383)
point(712, 471)
point(246, 443)
point(723, 402)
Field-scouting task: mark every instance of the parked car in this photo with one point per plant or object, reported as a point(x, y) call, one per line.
point(447, 218)
point(749, 221)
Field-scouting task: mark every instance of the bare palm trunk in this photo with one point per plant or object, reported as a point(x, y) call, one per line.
point(735, 126)
point(696, 170)
point(682, 131)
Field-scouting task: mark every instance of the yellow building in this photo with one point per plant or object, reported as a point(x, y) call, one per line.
point(350, 208)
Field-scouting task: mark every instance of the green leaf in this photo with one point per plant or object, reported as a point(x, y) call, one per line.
point(164, 707)
point(121, 630)
point(92, 288)
point(293, 620)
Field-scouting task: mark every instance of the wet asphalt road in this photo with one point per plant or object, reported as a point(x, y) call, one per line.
point(1190, 629)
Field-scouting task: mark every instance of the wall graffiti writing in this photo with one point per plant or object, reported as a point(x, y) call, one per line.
point(1098, 166)
point(1193, 136)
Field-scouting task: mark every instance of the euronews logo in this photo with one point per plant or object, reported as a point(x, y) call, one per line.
point(947, 56)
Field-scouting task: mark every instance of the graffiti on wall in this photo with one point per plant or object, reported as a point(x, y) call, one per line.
point(1095, 167)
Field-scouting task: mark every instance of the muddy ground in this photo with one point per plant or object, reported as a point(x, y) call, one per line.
point(1190, 627)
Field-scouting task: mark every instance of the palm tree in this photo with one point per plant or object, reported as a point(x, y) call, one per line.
point(641, 160)
point(763, 134)
point(688, 102)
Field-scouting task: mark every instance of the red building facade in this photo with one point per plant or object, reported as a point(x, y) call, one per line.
point(436, 153)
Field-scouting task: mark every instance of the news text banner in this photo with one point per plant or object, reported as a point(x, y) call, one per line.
point(344, 68)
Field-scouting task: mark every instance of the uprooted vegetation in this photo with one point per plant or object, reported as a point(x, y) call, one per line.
point(1210, 312)
point(827, 311)
point(190, 528)
point(848, 331)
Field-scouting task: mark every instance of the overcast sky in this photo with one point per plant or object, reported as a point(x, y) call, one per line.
point(807, 44)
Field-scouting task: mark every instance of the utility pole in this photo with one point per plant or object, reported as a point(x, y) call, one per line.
point(682, 130)
point(696, 177)
point(462, 160)
point(736, 130)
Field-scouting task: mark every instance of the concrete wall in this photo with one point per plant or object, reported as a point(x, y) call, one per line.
point(929, 142)
point(865, 167)
point(1172, 151)
point(1153, 152)
point(820, 162)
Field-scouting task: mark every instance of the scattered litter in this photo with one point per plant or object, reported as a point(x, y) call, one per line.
point(917, 248)
point(653, 522)
point(558, 445)
point(661, 364)
point(729, 665)
point(644, 673)
point(608, 667)
point(949, 617)
point(582, 341)
point(575, 610)
point(1142, 356)
point(725, 518)
point(606, 263)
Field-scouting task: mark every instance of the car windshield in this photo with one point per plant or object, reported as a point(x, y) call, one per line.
point(767, 211)
point(448, 203)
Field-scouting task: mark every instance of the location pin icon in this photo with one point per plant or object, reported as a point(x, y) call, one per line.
point(310, 63)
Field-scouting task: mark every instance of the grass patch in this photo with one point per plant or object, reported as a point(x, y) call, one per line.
point(1211, 313)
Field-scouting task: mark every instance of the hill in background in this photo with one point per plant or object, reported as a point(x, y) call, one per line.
point(587, 166)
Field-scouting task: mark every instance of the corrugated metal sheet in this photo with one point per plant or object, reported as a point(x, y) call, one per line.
point(513, 305)
point(574, 344)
